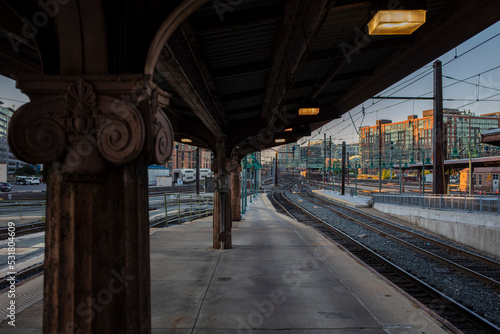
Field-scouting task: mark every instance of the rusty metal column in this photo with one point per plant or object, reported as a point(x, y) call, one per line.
point(439, 150)
point(235, 189)
point(342, 189)
point(222, 199)
point(95, 140)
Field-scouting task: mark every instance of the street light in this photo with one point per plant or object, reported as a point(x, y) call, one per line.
point(427, 161)
point(473, 155)
point(244, 187)
point(381, 165)
point(356, 178)
point(400, 170)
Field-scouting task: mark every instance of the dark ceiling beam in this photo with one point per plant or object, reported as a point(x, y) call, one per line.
point(345, 4)
point(196, 52)
point(247, 68)
point(328, 96)
point(11, 63)
point(431, 40)
point(184, 126)
point(231, 17)
point(298, 85)
point(194, 69)
point(169, 68)
point(341, 77)
point(386, 44)
point(243, 95)
point(182, 70)
point(301, 23)
point(340, 59)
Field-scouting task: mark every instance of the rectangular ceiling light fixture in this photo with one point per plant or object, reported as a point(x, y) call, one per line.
point(186, 140)
point(281, 140)
point(308, 111)
point(396, 22)
point(289, 129)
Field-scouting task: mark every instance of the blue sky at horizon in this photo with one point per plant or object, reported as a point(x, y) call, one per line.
point(479, 54)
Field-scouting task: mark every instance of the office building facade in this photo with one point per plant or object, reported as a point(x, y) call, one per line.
point(412, 139)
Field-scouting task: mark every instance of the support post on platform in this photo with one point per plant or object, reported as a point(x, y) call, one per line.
point(439, 151)
point(222, 217)
point(235, 189)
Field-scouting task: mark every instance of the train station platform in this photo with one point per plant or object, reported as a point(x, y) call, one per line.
point(280, 276)
point(358, 201)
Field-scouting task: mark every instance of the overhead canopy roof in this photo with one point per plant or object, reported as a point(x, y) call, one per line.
point(491, 137)
point(255, 63)
point(239, 70)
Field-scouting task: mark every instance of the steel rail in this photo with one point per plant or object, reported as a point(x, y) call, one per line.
point(447, 262)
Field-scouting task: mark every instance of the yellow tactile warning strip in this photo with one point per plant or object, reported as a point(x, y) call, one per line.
point(392, 310)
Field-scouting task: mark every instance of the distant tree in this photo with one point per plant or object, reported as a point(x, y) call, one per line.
point(25, 171)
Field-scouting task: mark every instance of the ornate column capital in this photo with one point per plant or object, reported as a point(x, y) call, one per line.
point(83, 122)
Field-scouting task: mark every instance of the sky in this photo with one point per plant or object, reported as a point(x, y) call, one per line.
point(477, 60)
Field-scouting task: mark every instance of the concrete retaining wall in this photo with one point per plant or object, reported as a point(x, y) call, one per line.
point(480, 231)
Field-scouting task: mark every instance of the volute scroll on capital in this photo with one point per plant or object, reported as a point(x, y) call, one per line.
point(100, 111)
point(163, 133)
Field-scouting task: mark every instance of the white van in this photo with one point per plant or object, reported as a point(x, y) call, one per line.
point(183, 175)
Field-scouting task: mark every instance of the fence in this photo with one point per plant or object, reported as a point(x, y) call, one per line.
point(22, 210)
point(183, 207)
point(180, 207)
point(489, 204)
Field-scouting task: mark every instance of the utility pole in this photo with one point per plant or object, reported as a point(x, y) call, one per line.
point(439, 151)
point(379, 127)
point(342, 189)
point(324, 158)
point(330, 161)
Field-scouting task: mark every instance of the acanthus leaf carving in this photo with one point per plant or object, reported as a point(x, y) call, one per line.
point(81, 102)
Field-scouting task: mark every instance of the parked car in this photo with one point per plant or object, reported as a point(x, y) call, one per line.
point(5, 186)
point(33, 180)
point(21, 180)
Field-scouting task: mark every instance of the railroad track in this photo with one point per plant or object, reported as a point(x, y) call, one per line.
point(473, 265)
point(37, 269)
point(23, 229)
point(34, 227)
point(454, 315)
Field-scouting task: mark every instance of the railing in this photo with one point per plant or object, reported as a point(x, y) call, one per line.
point(489, 204)
point(15, 210)
point(180, 208)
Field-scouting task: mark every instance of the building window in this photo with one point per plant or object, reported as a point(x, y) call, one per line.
point(480, 179)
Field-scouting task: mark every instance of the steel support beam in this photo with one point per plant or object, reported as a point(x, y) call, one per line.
point(439, 151)
point(299, 29)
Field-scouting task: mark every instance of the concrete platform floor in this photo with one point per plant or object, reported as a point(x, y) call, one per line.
point(280, 277)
